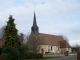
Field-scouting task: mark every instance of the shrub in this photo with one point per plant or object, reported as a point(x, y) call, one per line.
point(21, 56)
point(39, 55)
point(3, 56)
point(31, 55)
point(34, 55)
point(12, 53)
point(0, 51)
point(23, 51)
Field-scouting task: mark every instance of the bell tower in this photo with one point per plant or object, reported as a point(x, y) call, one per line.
point(35, 28)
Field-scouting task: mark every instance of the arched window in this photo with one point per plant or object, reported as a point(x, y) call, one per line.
point(51, 48)
point(42, 51)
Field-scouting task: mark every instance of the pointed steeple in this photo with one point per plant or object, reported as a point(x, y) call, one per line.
point(34, 20)
point(35, 28)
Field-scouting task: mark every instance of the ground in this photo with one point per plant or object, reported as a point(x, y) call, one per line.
point(65, 58)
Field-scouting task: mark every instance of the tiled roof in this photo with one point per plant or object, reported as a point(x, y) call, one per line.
point(53, 40)
point(64, 44)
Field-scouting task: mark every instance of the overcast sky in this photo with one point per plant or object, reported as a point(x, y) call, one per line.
point(56, 17)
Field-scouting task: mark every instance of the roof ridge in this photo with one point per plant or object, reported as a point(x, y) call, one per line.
point(50, 34)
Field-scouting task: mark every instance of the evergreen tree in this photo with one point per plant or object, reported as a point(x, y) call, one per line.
point(11, 38)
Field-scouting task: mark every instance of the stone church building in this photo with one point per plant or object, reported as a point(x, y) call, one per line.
point(50, 43)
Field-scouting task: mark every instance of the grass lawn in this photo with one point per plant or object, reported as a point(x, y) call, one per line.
point(44, 58)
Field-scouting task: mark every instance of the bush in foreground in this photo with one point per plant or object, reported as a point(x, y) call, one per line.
point(30, 55)
point(3, 56)
point(39, 55)
point(0, 51)
point(23, 51)
point(12, 53)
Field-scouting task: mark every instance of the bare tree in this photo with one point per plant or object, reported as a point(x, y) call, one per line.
point(21, 38)
point(2, 31)
point(34, 43)
point(65, 38)
point(27, 37)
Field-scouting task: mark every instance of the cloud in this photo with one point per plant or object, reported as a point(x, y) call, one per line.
point(57, 17)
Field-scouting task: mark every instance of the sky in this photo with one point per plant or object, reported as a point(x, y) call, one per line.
point(55, 17)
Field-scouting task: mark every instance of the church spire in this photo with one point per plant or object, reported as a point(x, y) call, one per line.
point(34, 21)
point(35, 28)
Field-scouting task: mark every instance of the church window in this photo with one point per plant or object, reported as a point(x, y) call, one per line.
point(42, 51)
point(51, 48)
point(32, 29)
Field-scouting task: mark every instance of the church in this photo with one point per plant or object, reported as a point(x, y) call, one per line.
point(50, 43)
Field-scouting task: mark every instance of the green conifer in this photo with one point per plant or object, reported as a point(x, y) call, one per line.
point(11, 38)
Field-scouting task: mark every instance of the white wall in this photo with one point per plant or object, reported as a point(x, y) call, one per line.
point(47, 48)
